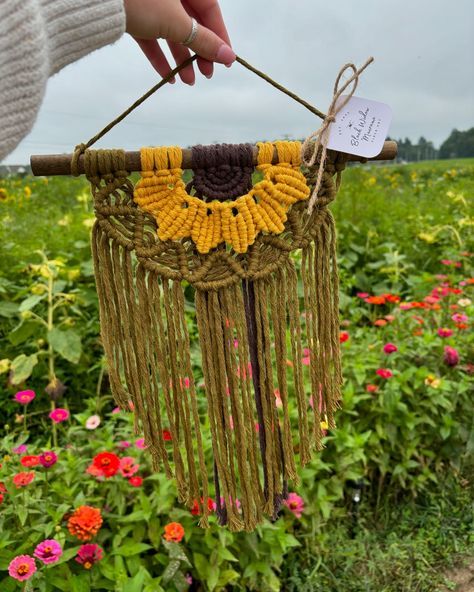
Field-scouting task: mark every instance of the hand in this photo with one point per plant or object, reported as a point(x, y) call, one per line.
point(148, 20)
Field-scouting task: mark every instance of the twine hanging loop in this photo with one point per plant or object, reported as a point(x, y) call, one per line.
point(316, 143)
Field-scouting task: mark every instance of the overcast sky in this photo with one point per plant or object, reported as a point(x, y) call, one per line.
point(423, 69)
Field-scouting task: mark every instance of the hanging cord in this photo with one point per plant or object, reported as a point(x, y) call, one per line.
point(317, 142)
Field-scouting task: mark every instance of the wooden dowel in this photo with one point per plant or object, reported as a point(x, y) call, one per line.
point(60, 164)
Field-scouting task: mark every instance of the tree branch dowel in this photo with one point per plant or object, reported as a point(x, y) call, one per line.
point(60, 164)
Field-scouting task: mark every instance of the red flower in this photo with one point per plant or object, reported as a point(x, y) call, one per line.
point(343, 336)
point(1, 498)
point(195, 508)
point(380, 323)
point(371, 388)
point(392, 298)
point(3, 488)
point(384, 373)
point(167, 436)
point(107, 463)
point(135, 481)
point(30, 461)
point(23, 479)
point(174, 531)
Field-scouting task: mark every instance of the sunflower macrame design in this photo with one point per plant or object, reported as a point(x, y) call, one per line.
point(247, 269)
point(263, 208)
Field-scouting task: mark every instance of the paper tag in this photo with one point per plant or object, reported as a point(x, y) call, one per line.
point(360, 127)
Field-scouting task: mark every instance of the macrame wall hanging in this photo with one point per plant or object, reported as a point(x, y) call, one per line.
point(235, 254)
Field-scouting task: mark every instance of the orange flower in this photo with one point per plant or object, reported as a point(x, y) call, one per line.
point(23, 479)
point(174, 531)
point(375, 300)
point(85, 523)
point(380, 323)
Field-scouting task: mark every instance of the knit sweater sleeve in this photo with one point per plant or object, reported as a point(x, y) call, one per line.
point(37, 39)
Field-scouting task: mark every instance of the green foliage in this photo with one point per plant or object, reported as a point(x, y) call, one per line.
point(408, 438)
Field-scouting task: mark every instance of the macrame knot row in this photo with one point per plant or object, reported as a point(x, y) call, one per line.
point(162, 193)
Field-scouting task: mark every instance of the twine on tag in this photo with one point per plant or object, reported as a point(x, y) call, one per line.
point(316, 143)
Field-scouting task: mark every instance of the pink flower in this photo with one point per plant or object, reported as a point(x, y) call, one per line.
point(89, 554)
point(128, 466)
point(59, 415)
point(22, 567)
point(124, 444)
point(48, 458)
point(21, 449)
point(237, 503)
point(92, 422)
point(24, 397)
point(116, 410)
point(306, 360)
point(278, 401)
point(384, 373)
point(389, 348)
point(459, 317)
point(48, 551)
point(140, 443)
point(295, 504)
point(443, 332)
point(362, 295)
point(451, 356)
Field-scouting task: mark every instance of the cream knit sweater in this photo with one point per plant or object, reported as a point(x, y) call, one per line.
point(37, 39)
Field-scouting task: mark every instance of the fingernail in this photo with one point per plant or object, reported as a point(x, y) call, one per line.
point(172, 80)
point(225, 55)
point(192, 83)
point(208, 75)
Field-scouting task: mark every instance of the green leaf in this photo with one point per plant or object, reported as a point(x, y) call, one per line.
point(22, 513)
point(22, 367)
point(67, 555)
point(171, 569)
point(201, 563)
point(30, 302)
point(131, 548)
point(8, 309)
point(22, 332)
point(79, 583)
point(213, 578)
point(67, 343)
point(175, 551)
point(227, 576)
point(136, 583)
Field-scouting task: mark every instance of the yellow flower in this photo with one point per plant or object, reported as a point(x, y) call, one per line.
point(27, 191)
point(432, 381)
point(324, 425)
point(3, 194)
point(7, 458)
point(371, 181)
point(4, 365)
point(427, 237)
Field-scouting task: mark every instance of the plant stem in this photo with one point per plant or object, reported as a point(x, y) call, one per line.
point(51, 373)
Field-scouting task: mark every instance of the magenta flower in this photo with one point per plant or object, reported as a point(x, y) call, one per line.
point(48, 551)
point(443, 332)
point(128, 466)
point(92, 422)
point(389, 348)
point(48, 458)
point(24, 397)
point(21, 449)
point(123, 444)
point(140, 443)
point(295, 504)
point(89, 554)
point(384, 373)
point(22, 567)
point(59, 415)
point(451, 356)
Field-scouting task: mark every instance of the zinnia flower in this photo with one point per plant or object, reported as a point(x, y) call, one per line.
point(295, 504)
point(443, 332)
point(375, 300)
point(128, 466)
point(89, 554)
point(371, 388)
point(30, 461)
point(432, 381)
point(123, 444)
point(451, 356)
point(167, 436)
point(24, 397)
point(140, 443)
point(23, 479)
point(21, 449)
point(59, 415)
point(135, 481)
point(22, 567)
point(48, 458)
point(343, 336)
point(106, 462)
point(195, 509)
point(92, 422)
point(380, 322)
point(48, 551)
point(85, 522)
point(459, 317)
point(384, 373)
point(174, 531)
point(390, 348)
point(465, 302)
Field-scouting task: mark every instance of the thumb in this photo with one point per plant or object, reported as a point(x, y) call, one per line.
point(211, 47)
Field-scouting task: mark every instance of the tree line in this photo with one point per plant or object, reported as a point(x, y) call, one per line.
point(457, 145)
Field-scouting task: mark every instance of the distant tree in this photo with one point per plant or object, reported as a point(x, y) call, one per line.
point(458, 144)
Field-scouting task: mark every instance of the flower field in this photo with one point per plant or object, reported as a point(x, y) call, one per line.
point(386, 506)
